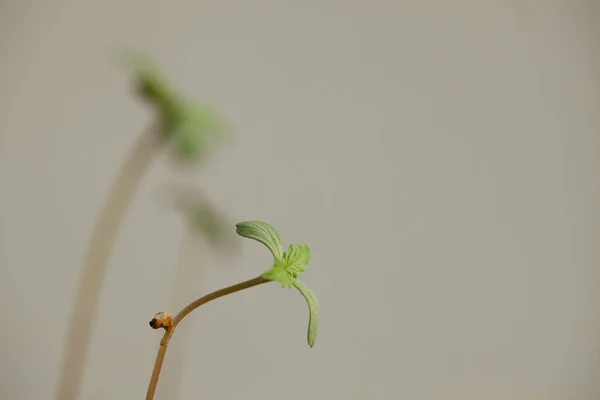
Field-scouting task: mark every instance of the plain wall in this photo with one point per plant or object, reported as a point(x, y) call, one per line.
point(441, 158)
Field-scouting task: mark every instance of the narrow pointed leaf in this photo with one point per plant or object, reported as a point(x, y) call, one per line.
point(313, 311)
point(262, 232)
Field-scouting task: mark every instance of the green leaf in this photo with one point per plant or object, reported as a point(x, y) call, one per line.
point(151, 82)
point(287, 267)
point(313, 311)
point(196, 130)
point(291, 265)
point(195, 127)
point(296, 259)
point(261, 232)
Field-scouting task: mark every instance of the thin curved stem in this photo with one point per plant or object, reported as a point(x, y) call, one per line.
point(182, 314)
point(87, 298)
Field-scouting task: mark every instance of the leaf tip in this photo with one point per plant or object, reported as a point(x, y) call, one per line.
point(262, 232)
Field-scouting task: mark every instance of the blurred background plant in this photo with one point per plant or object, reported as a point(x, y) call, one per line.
point(191, 131)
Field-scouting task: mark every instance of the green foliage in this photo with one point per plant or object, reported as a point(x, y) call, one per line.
point(196, 131)
point(287, 266)
point(194, 127)
point(313, 315)
point(290, 266)
point(262, 232)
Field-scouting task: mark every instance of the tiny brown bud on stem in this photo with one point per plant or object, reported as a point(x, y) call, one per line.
point(162, 320)
point(165, 320)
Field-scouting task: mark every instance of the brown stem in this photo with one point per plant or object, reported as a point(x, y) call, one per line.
point(170, 328)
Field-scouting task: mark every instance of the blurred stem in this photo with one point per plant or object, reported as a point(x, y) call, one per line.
point(182, 314)
point(96, 262)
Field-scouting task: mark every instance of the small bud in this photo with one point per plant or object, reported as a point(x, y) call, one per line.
point(162, 320)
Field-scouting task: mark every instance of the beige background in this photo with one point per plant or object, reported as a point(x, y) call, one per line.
point(440, 157)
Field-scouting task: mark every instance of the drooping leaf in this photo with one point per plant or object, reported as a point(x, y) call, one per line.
point(313, 311)
point(263, 233)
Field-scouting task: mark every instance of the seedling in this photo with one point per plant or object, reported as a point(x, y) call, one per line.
point(194, 130)
point(286, 270)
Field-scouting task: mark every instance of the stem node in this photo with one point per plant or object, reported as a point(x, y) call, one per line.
point(165, 320)
point(162, 320)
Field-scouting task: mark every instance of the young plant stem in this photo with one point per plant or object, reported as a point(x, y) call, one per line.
point(170, 328)
point(189, 270)
point(87, 298)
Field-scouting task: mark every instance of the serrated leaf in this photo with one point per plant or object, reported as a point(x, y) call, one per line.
point(296, 259)
point(292, 264)
point(263, 233)
point(313, 311)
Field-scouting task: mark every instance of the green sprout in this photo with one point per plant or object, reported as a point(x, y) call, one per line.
point(287, 268)
point(194, 127)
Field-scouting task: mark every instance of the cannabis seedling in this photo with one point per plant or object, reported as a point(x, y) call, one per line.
point(194, 127)
point(195, 130)
point(286, 269)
